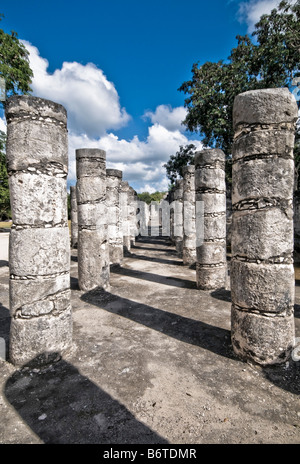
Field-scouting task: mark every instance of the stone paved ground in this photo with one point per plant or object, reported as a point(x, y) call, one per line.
point(151, 363)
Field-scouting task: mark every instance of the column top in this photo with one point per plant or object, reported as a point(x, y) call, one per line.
point(27, 105)
point(90, 153)
point(114, 173)
point(265, 106)
point(209, 156)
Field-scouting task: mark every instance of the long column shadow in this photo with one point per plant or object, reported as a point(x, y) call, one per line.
point(62, 406)
point(190, 331)
point(157, 260)
point(171, 281)
point(181, 328)
point(158, 239)
point(165, 250)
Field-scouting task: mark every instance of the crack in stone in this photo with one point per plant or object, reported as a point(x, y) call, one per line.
point(207, 266)
point(91, 202)
point(217, 214)
point(262, 203)
point(52, 169)
point(262, 156)
point(286, 258)
point(46, 225)
point(42, 120)
point(242, 129)
point(38, 277)
point(55, 312)
point(214, 165)
point(271, 314)
point(209, 190)
point(52, 298)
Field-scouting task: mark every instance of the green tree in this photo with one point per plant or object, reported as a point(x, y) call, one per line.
point(148, 197)
point(14, 64)
point(16, 72)
point(273, 60)
point(183, 157)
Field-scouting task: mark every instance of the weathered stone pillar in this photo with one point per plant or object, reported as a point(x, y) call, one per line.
point(211, 190)
point(297, 226)
point(170, 200)
point(114, 216)
point(125, 216)
point(39, 250)
point(178, 216)
point(93, 249)
point(143, 218)
point(132, 205)
point(74, 217)
point(189, 216)
point(262, 274)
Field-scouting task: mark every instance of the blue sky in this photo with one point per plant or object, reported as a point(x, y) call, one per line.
point(116, 66)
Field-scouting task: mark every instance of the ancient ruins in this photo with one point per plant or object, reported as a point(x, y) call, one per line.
point(189, 214)
point(262, 273)
point(114, 216)
point(211, 190)
point(106, 218)
point(39, 253)
point(93, 247)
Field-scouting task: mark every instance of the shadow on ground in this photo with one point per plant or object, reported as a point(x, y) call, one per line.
point(62, 406)
point(195, 332)
point(155, 259)
point(187, 330)
point(171, 281)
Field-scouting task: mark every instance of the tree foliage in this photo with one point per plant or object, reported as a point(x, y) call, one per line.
point(148, 197)
point(270, 59)
point(183, 157)
point(14, 64)
point(16, 72)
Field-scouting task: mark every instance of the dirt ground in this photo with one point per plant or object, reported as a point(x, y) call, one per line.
point(151, 363)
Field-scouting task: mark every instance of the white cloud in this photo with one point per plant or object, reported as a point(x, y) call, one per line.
point(94, 111)
point(162, 142)
point(91, 101)
point(3, 125)
point(140, 161)
point(168, 117)
point(250, 12)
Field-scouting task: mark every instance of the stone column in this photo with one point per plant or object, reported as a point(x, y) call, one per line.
point(74, 217)
point(170, 200)
point(114, 217)
point(297, 227)
point(189, 216)
point(125, 216)
point(132, 205)
point(39, 249)
point(145, 221)
point(211, 190)
point(178, 216)
point(262, 274)
point(93, 249)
